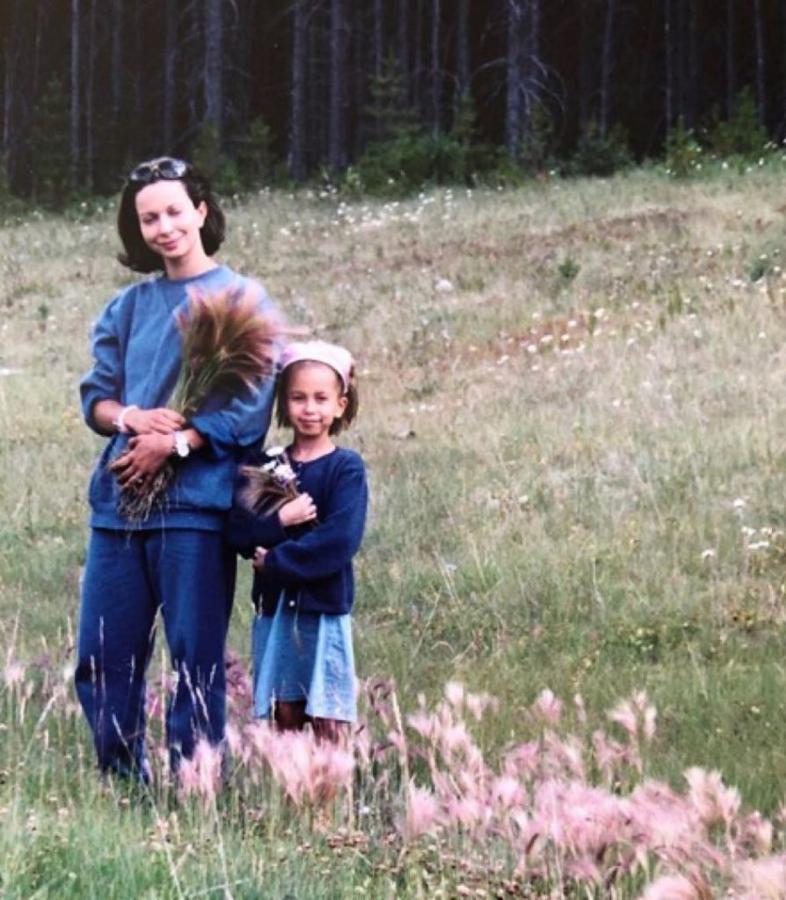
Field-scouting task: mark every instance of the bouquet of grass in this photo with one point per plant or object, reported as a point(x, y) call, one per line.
point(270, 485)
point(228, 348)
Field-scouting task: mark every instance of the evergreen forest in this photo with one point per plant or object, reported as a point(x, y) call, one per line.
point(380, 94)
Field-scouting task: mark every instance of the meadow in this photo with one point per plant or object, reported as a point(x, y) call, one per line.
point(572, 415)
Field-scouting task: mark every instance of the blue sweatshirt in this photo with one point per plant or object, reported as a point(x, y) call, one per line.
point(137, 355)
point(309, 565)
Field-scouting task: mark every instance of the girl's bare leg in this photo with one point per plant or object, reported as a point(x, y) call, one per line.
point(330, 730)
point(291, 716)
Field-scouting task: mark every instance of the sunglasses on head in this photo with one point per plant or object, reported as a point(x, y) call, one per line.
point(166, 167)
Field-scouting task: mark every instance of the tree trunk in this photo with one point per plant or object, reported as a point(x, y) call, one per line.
point(9, 90)
point(90, 97)
point(317, 92)
point(607, 61)
point(116, 61)
point(693, 65)
point(170, 65)
point(364, 68)
point(586, 67)
point(533, 66)
point(513, 56)
point(402, 41)
point(337, 154)
point(417, 61)
point(731, 74)
point(214, 88)
point(75, 148)
point(297, 124)
point(462, 51)
point(436, 68)
point(138, 143)
point(39, 29)
point(378, 44)
point(761, 91)
point(668, 28)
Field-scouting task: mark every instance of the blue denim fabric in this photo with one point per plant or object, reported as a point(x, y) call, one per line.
point(304, 656)
point(137, 353)
point(189, 575)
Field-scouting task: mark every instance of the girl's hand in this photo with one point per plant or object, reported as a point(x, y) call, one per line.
point(259, 558)
point(154, 421)
point(297, 511)
point(146, 454)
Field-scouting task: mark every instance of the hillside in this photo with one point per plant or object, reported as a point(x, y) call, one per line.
point(572, 413)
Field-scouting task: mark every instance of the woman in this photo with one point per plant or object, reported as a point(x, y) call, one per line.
point(170, 222)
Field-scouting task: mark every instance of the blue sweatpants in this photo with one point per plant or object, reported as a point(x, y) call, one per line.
point(190, 576)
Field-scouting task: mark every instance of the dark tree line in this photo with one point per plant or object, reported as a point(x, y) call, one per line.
point(91, 85)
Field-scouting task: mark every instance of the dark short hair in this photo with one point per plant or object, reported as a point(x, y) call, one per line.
point(339, 424)
point(137, 255)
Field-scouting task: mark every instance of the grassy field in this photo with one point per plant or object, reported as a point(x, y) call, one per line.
point(572, 413)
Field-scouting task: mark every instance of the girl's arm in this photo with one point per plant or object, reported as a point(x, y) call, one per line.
point(332, 543)
point(266, 531)
point(244, 531)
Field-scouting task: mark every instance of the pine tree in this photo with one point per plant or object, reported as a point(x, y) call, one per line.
point(388, 111)
point(49, 146)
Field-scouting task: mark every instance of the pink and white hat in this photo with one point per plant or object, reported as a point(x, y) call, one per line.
point(331, 355)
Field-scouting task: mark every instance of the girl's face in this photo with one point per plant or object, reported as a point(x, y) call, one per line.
point(170, 223)
point(314, 399)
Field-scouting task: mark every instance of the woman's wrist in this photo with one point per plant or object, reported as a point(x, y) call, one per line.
point(120, 423)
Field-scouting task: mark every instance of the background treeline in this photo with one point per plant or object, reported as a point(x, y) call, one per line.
point(380, 93)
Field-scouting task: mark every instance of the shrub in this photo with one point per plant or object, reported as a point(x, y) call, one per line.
point(210, 157)
point(683, 151)
point(254, 154)
point(599, 154)
point(741, 134)
point(537, 147)
point(410, 160)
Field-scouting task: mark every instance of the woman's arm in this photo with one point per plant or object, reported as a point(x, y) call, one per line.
point(147, 453)
point(106, 415)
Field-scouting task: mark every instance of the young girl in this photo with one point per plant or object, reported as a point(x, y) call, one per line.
point(303, 582)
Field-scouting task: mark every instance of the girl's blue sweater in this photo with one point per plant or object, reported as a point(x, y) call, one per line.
point(137, 354)
point(310, 566)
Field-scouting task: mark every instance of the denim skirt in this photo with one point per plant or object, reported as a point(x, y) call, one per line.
point(304, 656)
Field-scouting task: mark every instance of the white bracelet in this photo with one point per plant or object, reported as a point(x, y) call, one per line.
point(120, 421)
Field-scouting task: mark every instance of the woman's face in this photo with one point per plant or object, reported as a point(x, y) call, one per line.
point(170, 222)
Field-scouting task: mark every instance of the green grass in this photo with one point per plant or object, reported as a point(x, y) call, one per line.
point(554, 465)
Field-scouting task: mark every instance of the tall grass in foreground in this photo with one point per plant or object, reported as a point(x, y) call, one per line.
point(573, 420)
point(412, 805)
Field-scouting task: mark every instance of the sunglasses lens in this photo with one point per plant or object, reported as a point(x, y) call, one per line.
point(143, 172)
point(167, 167)
point(171, 168)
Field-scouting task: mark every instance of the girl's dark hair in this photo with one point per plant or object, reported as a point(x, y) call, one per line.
point(339, 424)
point(138, 256)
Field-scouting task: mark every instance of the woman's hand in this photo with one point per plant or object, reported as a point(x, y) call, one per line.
point(297, 511)
point(146, 454)
point(259, 558)
point(154, 421)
